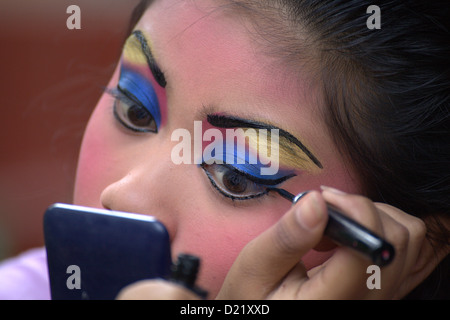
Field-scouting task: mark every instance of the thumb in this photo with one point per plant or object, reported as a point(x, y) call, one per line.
point(267, 259)
point(155, 289)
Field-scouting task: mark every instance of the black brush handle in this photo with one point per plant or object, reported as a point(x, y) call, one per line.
point(347, 232)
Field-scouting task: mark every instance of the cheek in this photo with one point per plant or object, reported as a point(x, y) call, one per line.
point(96, 154)
point(93, 153)
point(217, 235)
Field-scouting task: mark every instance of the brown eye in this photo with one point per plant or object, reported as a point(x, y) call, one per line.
point(139, 116)
point(133, 116)
point(232, 184)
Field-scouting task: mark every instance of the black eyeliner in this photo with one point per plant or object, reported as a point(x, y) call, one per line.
point(125, 96)
point(229, 122)
point(214, 184)
point(263, 182)
point(347, 232)
point(157, 73)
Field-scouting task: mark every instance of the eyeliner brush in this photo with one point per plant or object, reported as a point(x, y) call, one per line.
point(347, 232)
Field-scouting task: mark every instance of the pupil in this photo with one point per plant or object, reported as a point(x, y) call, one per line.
point(234, 182)
point(138, 116)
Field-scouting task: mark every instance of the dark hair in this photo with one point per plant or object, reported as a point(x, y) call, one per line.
point(387, 95)
point(137, 14)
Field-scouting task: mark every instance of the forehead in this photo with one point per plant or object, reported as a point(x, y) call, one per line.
point(205, 46)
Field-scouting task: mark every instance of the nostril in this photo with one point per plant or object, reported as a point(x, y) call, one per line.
point(106, 198)
point(135, 192)
point(104, 203)
point(111, 206)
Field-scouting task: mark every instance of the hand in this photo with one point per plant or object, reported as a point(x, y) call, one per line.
point(270, 266)
point(156, 290)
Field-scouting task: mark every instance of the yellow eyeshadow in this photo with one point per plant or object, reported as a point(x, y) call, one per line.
point(132, 51)
point(289, 155)
point(295, 158)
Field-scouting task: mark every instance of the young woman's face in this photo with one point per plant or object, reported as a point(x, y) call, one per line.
point(212, 65)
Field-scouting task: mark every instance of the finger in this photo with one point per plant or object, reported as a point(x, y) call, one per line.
point(392, 275)
point(345, 271)
point(357, 207)
point(267, 259)
point(419, 260)
point(289, 286)
point(155, 290)
point(430, 256)
point(408, 239)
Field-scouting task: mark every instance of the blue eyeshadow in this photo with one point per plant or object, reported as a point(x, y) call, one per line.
point(142, 89)
point(233, 157)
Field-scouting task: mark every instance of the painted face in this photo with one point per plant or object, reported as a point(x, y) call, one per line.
point(189, 63)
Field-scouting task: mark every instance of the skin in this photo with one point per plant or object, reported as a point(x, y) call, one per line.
point(210, 60)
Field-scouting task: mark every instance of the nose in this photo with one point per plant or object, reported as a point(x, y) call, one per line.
point(146, 186)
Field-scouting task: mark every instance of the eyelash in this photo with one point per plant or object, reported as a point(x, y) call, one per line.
point(121, 96)
point(255, 182)
point(266, 186)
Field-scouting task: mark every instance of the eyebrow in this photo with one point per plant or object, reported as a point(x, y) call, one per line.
point(146, 50)
point(217, 120)
point(223, 121)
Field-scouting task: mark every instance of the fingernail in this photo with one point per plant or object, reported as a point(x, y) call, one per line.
point(333, 190)
point(309, 213)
